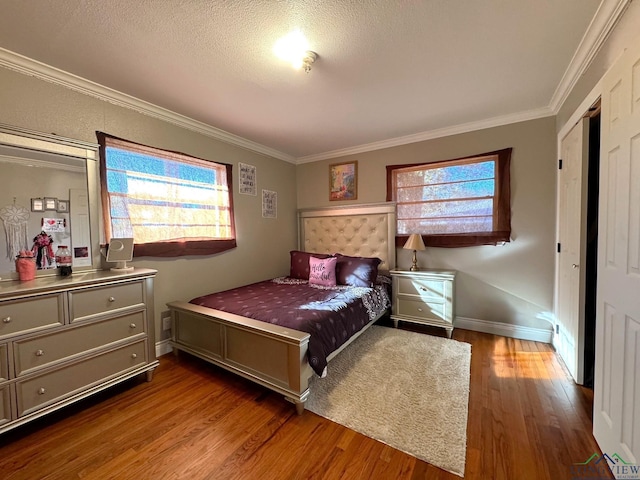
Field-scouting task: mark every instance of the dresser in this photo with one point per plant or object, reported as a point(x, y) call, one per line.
point(425, 297)
point(65, 338)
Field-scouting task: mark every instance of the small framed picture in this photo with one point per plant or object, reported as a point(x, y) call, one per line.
point(37, 205)
point(50, 203)
point(343, 181)
point(63, 206)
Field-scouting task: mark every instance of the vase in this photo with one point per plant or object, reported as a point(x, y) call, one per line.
point(26, 268)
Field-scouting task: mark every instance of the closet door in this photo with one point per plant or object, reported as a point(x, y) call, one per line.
point(616, 415)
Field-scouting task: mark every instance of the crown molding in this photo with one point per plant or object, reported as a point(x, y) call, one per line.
point(19, 63)
point(431, 134)
point(604, 21)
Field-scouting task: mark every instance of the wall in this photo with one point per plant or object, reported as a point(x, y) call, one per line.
point(263, 244)
point(511, 284)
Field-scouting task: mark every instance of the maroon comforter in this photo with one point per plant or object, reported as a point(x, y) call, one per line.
point(331, 315)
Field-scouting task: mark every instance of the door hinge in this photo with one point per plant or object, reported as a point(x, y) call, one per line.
point(558, 247)
point(557, 328)
point(560, 164)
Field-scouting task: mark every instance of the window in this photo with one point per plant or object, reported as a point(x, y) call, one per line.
point(172, 204)
point(453, 203)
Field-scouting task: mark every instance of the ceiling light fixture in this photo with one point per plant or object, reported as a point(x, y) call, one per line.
point(294, 48)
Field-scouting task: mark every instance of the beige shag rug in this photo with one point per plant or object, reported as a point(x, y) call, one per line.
point(406, 389)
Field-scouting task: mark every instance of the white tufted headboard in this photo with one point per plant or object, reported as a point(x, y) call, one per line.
point(361, 230)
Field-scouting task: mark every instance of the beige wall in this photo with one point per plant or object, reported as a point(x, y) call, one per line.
point(263, 244)
point(512, 284)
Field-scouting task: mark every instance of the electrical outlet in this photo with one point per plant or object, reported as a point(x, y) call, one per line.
point(166, 323)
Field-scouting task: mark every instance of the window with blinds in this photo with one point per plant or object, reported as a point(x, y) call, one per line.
point(172, 204)
point(460, 202)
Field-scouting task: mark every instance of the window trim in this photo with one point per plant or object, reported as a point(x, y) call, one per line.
point(502, 208)
point(165, 248)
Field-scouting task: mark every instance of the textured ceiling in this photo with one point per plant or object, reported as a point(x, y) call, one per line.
point(387, 69)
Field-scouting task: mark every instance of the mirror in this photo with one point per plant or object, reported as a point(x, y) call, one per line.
point(48, 194)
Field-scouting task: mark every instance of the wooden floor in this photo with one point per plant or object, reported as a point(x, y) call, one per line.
point(527, 420)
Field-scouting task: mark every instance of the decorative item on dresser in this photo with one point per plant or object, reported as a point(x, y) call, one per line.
point(63, 339)
point(425, 297)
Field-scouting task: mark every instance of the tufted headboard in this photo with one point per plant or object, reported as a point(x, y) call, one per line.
point(361, 230)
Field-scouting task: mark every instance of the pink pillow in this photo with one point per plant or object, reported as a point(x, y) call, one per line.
point(300, 263)
point(322, 271)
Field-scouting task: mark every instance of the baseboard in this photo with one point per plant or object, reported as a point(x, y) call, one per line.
point(163, 347)
point(497, 328)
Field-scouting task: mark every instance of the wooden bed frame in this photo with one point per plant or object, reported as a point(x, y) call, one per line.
point(271, 355)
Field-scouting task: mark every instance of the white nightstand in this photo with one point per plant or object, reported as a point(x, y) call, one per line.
point(424, 297)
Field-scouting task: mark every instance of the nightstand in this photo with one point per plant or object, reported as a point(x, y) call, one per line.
point(425, 297)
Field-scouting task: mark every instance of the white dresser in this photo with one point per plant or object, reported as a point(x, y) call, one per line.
point(65, 338)
point(425, 297)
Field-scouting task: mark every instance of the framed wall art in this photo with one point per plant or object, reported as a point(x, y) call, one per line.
point(343, 181)
point(63, 206)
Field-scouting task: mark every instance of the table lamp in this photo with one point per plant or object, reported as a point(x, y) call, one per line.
point(414, 242)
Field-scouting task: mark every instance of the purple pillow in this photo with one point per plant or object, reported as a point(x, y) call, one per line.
point(357, 271)
point(300, 263)
point(322, 271)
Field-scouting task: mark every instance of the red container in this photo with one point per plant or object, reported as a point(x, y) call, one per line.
point(26, 268)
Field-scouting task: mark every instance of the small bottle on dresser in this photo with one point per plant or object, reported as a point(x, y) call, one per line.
point(63, 260)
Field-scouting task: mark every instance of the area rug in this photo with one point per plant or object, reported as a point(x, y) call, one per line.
point(406, 389)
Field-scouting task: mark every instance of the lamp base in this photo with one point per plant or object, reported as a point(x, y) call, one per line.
point(414, 263)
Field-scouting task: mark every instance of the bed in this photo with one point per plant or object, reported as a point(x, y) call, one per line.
point(277, 355)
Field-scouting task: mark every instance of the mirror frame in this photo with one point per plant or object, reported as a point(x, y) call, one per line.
point(50, 143)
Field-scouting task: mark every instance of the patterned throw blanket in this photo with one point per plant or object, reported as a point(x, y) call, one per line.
point(331, 315)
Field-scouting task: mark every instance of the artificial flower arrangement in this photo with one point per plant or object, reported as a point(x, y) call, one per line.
point(43, 250)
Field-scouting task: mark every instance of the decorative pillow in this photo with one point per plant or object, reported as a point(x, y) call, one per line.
point(357, 271)
point(300, 263)
point(322, 271)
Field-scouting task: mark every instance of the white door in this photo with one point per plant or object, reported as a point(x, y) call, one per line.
point(572, 218)
point(616, 409)
point(80, 228)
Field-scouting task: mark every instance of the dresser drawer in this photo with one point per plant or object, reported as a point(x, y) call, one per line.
point(421, 310)
point(5, 404)
point(4, 362)
point(45, 349)
point(422, 287)
point(37, 392)
point(93, 301)
point(29, 314)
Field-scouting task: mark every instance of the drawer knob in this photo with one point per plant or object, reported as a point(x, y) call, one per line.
point(112, 299)
point(39, 353)
point(133, 325)
point(41, 391)
point(6, 320)
point(419, 309)
point(134, 355)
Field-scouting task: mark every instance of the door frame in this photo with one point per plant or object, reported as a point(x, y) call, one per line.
point(591, 99)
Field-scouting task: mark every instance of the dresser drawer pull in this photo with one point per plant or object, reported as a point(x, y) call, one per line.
point(132, 326)
point(112, 299)
point(134, 355)
point(6, 320)
point(39, 353)
point(419, 309)
point(41, 391)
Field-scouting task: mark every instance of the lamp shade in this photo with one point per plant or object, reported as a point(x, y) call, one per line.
point(414, 242)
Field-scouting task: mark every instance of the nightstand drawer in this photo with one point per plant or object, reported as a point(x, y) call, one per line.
point(417, 309)
point(422, 287)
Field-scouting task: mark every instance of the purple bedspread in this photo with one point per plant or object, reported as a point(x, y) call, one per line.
point(331, 315)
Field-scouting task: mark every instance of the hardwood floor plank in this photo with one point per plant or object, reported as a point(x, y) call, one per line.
point(527, 420)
